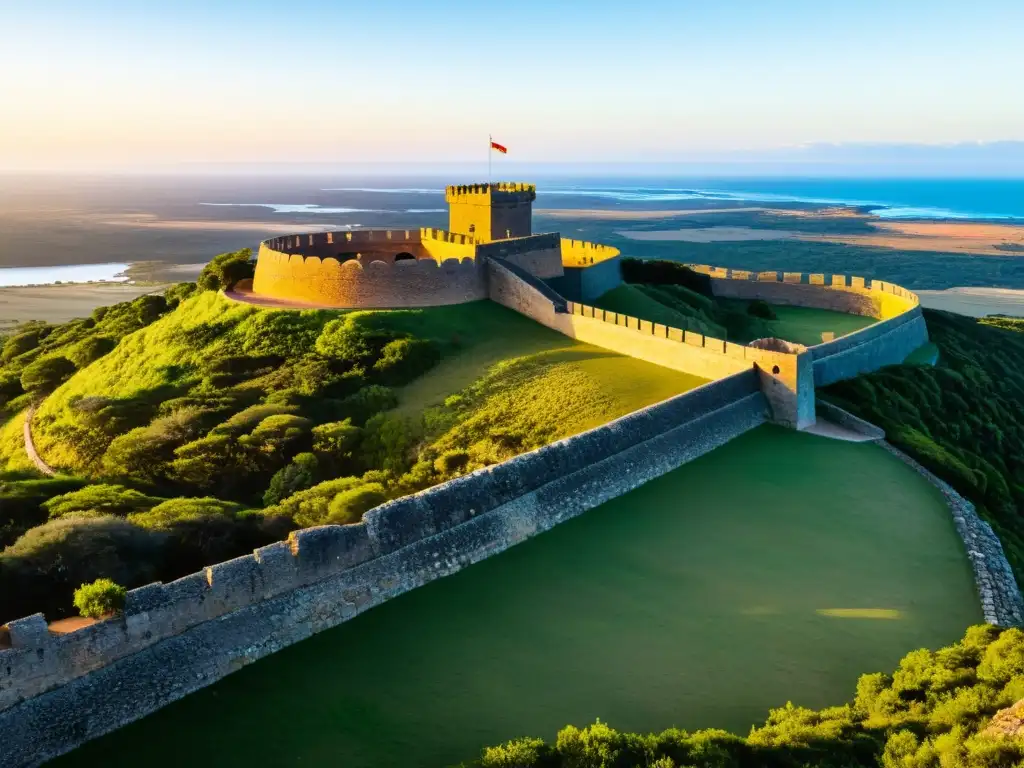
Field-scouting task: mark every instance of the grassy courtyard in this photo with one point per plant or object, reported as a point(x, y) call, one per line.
point(779, 567)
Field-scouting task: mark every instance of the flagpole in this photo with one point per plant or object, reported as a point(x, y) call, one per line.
point(490, 140)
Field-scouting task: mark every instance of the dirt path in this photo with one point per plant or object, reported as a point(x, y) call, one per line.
point(30, 446)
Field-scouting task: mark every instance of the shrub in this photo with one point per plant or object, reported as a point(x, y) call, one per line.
point(368, 401)
point(282, 333)
point(388, 441)
point(149, 308)
point(297, 476)
point(348, 506)
point(100, 598)
point(44, 566)
point(105, 499)
point(23, 342)
point(172, 511)
point(90, 349)
point(660, 272)
point(402, 360)
point(451, 462)
point(337, 439)
point(10, 387)
point(226, 269)
point(178, 293)
point(46, 374)
point(761, 309)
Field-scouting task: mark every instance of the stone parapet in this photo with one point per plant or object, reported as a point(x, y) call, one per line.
point(1001, 601)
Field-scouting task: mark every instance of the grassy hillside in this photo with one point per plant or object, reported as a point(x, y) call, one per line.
point(213, 427)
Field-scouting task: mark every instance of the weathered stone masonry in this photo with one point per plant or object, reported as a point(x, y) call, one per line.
point(59, 691)
point(1001, 601)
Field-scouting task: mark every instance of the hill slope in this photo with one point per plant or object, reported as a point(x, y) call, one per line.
point(218, 426)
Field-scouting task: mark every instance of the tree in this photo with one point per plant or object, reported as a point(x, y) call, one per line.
point(99, 599)
point(46, 374)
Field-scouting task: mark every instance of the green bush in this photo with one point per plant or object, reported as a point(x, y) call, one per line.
point(226, 269)
point(46, 374)
point(41, 570)
point(297, 476)
point(761, 309)
point(368, 402)
point(659, 272)
point(90, 349)
point(402, 360)
point(23, 342)
point(348, 506)
point(104, 499)
point(99, 599)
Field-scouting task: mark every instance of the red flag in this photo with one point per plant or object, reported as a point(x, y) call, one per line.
point(499, 147)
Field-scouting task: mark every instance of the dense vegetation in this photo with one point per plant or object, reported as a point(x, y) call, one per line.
point(935, 710)
point(963, 418)
point(189, 429)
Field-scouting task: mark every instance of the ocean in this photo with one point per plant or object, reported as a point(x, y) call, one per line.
point(982, 199)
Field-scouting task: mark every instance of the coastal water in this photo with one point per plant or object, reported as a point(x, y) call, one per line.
point(69, 273)
point(995, 199)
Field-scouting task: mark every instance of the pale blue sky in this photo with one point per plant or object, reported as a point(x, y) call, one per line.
point(118, 84)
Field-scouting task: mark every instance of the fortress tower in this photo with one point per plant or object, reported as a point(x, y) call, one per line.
point(489, 212)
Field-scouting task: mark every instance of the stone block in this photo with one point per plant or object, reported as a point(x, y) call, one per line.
point(29, 632)
point(693, 339)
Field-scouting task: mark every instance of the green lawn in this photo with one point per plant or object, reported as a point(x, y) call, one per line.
point(776, 568)
point(631, 300)
point(804, 325)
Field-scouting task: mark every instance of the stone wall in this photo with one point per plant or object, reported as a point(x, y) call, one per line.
point(540, 255)
point(1001, 601)
point(368, 284)
point(837, 415)
point(900, 331)
point(786, 379)
point(588, 283)
point(57, 691)
point(854, 295)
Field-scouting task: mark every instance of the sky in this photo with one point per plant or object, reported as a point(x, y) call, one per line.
point(133, 85)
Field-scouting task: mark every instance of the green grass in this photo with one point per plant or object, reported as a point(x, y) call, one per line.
point(631, 300)
point(804, 325)
point(779, 567)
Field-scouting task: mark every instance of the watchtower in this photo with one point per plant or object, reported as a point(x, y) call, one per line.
point(491, 211)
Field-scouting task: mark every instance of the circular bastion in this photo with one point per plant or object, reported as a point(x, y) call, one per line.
point(369, 269)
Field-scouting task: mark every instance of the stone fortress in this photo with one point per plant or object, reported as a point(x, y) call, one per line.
point(59, 690)
point(388, 269)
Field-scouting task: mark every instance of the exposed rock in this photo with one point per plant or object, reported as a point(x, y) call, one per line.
point(1007, 723)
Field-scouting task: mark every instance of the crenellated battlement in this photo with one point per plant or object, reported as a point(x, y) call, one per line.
point(499, 191)
point(855, 295)
point(580, 253)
